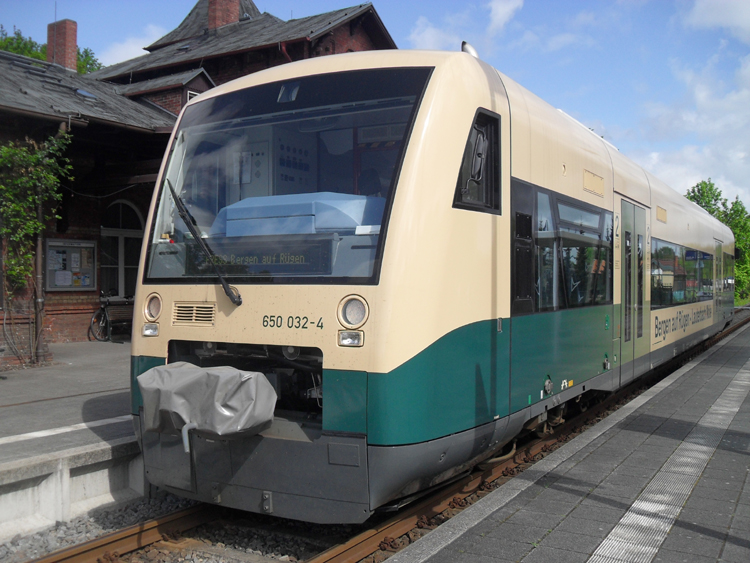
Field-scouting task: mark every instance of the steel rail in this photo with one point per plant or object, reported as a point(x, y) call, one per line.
point(109, 547)
point(384, 536)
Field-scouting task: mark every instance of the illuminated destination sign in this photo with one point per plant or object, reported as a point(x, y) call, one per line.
point(247, 257)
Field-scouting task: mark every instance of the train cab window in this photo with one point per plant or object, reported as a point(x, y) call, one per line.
point(478, 186)
point(287, 182)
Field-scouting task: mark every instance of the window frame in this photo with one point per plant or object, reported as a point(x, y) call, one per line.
point(525, 199)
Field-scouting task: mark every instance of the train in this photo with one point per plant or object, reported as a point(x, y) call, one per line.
point(365, 274)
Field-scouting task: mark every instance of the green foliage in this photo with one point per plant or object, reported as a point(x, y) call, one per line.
point(26, 46)
point(87, 62)
point(30, 175)
point(708, 196)
point(21, 45)
point(734, 216)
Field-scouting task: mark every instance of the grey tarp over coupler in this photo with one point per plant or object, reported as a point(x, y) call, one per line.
point(222, 400)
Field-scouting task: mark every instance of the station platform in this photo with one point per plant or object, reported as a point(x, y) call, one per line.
point(666, 478)
point(66, 436)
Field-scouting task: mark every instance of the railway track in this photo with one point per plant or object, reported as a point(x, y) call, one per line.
point(411, 522)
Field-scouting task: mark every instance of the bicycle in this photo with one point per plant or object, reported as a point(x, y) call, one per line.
point(100, 326)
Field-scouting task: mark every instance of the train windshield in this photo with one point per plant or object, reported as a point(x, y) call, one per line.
point(286, 182)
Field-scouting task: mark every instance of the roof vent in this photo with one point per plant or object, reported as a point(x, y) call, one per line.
point(467, 48)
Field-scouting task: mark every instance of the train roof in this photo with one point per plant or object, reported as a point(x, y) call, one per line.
point(550, 148)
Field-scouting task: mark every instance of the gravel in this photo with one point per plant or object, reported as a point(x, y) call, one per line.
point(97, 523)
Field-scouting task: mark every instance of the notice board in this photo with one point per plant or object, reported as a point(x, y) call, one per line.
point(70, 265)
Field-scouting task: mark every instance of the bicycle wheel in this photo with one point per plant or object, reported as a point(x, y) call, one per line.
point(100, 325)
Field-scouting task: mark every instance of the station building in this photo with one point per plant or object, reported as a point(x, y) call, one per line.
point(120, 118)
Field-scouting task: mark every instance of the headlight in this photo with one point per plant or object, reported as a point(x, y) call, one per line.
point(150, 329)
point(153, 307)
point(353, 338)
point(353, 311)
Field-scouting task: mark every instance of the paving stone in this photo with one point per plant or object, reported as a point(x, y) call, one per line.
point(491, 547)
point(693, 543)
point(697, 516)
point(740, 523)
point(735, 552)
point(579, 543)
point(516, 532)
point(669, 556)
point(636, 471)
point(710, 505)
point(450, 556)
point(599, 513)
point(713, 483)
point(586, 527)
point(545, 555)
point(530, 518)
point(711, 493)
point(557, 508)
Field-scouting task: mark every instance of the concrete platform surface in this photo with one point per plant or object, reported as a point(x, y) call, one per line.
point(71, 403)
point(66, 437)
point(665, 479)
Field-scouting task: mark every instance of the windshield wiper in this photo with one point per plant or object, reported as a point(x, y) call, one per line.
point(190, 223)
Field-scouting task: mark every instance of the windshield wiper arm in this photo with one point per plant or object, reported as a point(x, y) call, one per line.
point(189, 221)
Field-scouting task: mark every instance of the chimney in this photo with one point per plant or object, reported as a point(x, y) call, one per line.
point(222, 12)
point(62, 44)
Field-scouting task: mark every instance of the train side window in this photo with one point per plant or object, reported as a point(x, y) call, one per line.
point(547, 269)
point(679, 275)
point(478, 186)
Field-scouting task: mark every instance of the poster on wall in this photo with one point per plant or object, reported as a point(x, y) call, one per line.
point(70, 265)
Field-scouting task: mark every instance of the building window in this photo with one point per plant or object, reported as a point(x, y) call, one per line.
point(122, 235)
point(191, 95)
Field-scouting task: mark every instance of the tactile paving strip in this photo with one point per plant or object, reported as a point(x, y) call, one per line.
point(637, 536)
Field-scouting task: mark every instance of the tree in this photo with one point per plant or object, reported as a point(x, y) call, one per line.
point(709, 197)
point(21, 45)
point(734, 216)
point(87, 62)
point(26, 46)
point(30, 175)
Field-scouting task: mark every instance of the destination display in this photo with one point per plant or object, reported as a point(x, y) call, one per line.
point(247, 257)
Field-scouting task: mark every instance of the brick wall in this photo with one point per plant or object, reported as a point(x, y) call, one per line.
point(341, 40)
point(17, 333)
point(170, 100)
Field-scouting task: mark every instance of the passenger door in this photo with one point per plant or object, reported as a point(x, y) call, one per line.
point(634, 245)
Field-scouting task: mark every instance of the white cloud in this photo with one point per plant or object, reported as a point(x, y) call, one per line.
point(584, 18)
point(731, 14)
point(427, 36)
point(501, 12)
point(132, 46)
point(715, 120)
point(562, 40)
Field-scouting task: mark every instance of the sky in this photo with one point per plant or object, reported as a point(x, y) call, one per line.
point(665, 81)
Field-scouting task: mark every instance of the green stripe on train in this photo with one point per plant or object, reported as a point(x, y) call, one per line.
point(139, 365)
point(462, 380)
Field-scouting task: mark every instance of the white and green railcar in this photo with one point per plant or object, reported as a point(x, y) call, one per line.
point(421, 257)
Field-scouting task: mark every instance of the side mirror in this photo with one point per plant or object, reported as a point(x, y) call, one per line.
point(480, 153)
point(737, 253)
